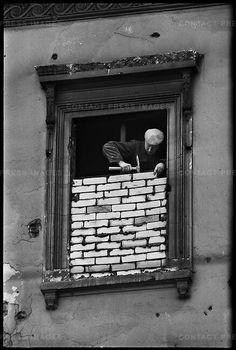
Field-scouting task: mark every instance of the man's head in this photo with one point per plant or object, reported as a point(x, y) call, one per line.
point(153, 138)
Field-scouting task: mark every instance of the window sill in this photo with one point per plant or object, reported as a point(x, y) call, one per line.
point(53, 286)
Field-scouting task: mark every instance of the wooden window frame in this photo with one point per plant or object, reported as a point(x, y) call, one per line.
point(98, 89)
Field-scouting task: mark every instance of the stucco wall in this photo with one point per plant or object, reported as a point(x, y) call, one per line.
point(154, 317)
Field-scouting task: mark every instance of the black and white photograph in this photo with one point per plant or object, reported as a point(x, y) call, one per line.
point(118, 175)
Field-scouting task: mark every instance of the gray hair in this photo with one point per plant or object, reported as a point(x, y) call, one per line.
point(154, 136)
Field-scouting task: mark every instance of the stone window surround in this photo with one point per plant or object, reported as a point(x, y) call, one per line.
point(160, 80)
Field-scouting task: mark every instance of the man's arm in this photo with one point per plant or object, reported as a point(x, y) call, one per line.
point(120, 152)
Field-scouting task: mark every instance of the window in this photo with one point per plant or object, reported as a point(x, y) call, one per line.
point(82, 100)
point(91, 133)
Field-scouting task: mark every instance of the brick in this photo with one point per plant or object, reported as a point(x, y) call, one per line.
point(146, 175)
point(163, 232)
point(119, 267)
point(96, 223)
point(94, 180)
point(157, 224)
point(83, 217)
point(99, 275)
point(77, 269)
point(161, 188)
point(153, 263)
point(162, 180)
point(77, 224)
point(129, 272)
point(94, 253)
point(153, 197)
point(75, 255)
point(108, 245)
point(116, 193)
point(77, 182)
point(122, 222)
point(108, 230)
point(119, 178)
point(123, 207)
point(75, 210)
point(84, 232)
point(162, 194)
point(108, 187)
point(90, 195)
point(121, 237)
point(154, 240)
point(82, 247)
point(121, 252)
point(84, 203)
point(108, 260)
point(157, 181)
point(91, 239)
point(146, 219)
point(133, 213)
point(115, 215)
point(134, 199)
point(76, 239)
point(99, 209)
point(163, 262)
point(80, 189)
point(130, 244)
point(80, 275)
point(140, 190)
point(147, 233)
point(97, 268)
point(89, 261)
point(132, 228)
point(130, 258)
point(163, 202)
point(162, 247)
point(133, 184)
point(106, 201)
point(155, 211)
point(156, 255)
point(139, 250)
point(148, 205)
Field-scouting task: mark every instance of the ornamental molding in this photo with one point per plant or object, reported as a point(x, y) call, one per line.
point(23, 14)
point(193, 58)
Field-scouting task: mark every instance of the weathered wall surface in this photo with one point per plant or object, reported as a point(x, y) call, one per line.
point(153, 317)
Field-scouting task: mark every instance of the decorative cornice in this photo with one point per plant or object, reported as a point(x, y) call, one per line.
point(23, 14)
point(129, 62)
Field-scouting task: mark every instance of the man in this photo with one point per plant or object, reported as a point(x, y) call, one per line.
point(124, 153)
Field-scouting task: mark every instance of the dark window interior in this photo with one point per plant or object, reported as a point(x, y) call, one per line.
point(91, 133)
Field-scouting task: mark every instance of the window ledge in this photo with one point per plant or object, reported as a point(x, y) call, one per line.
point(54, 286)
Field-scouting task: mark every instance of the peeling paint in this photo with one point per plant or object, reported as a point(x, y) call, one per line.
point(8, 272)
point(10, 298)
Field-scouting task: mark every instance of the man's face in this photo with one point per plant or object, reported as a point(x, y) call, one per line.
point(151, 148)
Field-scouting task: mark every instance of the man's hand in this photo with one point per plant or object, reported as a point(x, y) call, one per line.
point(125, 167)
point(159, 168)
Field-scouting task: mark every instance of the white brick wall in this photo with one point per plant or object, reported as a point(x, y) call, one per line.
point(116, 226)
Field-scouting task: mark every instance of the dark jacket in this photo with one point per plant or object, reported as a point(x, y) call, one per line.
point(116, 151)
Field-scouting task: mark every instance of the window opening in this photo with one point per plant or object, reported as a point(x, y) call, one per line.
point(91, 133)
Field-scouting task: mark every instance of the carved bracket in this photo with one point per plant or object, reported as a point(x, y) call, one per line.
point(188, 131)
point(51, 300)
point(183, 288)
point(187, 102)
point(50, 118)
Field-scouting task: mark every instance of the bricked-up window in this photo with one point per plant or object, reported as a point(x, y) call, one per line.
point(90, 134)
point(105, 230)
